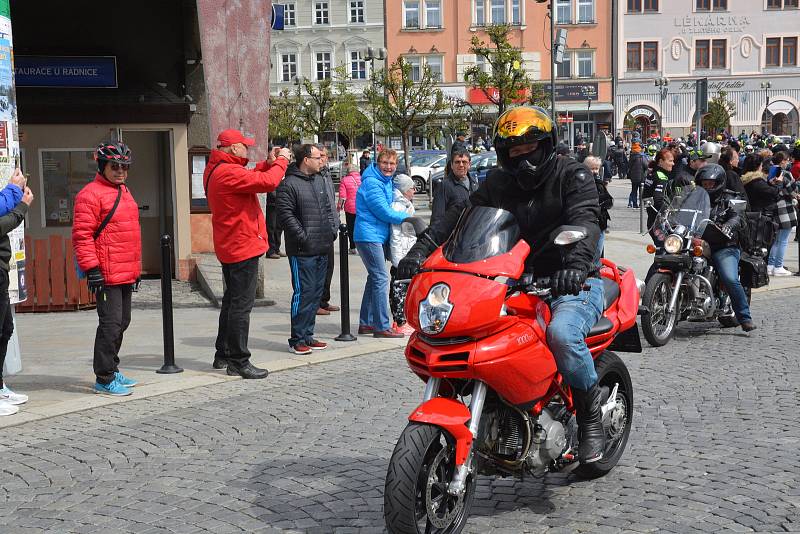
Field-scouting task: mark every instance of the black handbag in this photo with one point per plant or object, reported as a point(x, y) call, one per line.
point(762, 230)
point(753, 271)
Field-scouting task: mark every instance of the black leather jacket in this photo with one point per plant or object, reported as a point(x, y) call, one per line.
point(724, 216)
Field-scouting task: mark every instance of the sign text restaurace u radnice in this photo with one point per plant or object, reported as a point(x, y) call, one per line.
point(712, 23)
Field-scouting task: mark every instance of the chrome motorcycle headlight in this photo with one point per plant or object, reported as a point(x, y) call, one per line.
point(435, 310)
point(673, 244)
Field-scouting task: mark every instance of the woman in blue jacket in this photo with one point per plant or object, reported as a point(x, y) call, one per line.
point(374, 217)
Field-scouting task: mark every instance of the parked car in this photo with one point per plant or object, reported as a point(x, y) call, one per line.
point(422, 165)
point(480, 165)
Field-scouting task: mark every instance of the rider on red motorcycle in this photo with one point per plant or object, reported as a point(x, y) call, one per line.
point(545, 191)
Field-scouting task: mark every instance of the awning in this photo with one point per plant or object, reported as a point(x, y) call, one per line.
point(581, 107)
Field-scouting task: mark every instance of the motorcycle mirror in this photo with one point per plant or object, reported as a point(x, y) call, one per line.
point(568, 235)
point(739, 205)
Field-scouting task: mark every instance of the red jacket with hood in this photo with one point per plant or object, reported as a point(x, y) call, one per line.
point(118, 248)
point(240, 231)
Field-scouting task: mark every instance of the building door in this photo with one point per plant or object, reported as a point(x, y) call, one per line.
point(151, 183)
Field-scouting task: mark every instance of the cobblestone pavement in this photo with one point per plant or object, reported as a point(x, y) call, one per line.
point(713, 448)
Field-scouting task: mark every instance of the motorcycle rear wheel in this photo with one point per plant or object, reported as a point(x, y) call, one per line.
point(415, 498)
point(658, 325)
point(611, 370)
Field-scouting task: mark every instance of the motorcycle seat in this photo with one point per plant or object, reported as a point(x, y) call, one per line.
point(603, 326)
point(610, 292)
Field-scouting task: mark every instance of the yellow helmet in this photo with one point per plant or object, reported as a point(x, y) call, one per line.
point(522, 125)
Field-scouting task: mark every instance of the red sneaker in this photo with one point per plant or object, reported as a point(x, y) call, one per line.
point(364, 329)
point(390, 334)
point(317, 345)
point(301, 348)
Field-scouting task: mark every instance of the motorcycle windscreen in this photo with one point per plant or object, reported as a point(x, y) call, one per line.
point(691, 209)
point(481, 233)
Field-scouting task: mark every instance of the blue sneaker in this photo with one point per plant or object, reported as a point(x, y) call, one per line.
point(124, 380)
point(114, 388)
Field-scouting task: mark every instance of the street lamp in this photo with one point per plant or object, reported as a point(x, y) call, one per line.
point(373, 54)
point(765, 86)
point(663, 87)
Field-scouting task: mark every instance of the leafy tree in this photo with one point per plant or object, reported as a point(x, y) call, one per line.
point(284, 121)
point(456, 117)
point(539, 95)
point(720, 112)
point(316, 104)
point(505, 80)
point(345, 114)
point(401, 104)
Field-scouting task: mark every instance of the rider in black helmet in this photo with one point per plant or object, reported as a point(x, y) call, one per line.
point(726, 253)
point(543, 192)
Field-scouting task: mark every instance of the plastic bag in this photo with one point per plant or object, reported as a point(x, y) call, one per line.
point(13, 363)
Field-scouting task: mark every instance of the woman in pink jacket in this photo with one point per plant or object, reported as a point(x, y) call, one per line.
point(348, 186)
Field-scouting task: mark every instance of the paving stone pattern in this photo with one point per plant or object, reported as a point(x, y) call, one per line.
point(714, 448)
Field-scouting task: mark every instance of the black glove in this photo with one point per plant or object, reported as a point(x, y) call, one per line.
point(567, 282)
point(727, 230)
point(411, 264)
point(95, 280)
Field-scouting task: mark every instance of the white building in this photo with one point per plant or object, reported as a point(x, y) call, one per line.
point(748, 48)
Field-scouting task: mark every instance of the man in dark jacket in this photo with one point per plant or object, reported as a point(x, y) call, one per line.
point(543, 192)
point(364, 161)
point(456, 186)
point(325, 306)
point(636, 172)
point(306, 215)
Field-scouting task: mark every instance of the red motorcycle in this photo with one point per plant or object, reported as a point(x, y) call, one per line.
point(494, 402)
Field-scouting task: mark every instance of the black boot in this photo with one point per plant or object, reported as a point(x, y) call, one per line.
point(591, 436)
point(246, 370)
point(219, 363)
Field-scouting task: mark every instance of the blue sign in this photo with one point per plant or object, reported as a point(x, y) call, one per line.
point(65, 71)
point(278, 16)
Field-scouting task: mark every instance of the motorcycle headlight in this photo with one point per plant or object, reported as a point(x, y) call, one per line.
point(435, 310)
point(673, 244)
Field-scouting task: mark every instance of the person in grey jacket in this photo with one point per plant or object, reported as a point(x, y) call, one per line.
point(306, 214)
point(325, 306)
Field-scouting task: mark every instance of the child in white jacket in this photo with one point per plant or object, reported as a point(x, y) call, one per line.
point(401, 239)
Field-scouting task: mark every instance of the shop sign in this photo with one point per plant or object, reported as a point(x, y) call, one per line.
point(577, 91)
point(647, 113)
point(454, 93)
point(720, 85)
point(477, 96)
point(66, 71)
point(699, 24)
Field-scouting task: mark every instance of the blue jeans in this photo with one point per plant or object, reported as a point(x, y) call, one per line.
point(375, 302)
point(601, 243)
point(308, 282)
point(778, 250)
point(727, 262)
point(572, 318)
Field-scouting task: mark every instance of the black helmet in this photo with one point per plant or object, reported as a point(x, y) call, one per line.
point(112, 151)
point(712, 172)
point(520, 126)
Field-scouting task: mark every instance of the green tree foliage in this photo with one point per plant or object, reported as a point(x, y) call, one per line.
point(505, 79)
point(316, 105)
point(284, 121)
point(539, 95)
point(401, 104)
point(345, 114)
point(720, 112)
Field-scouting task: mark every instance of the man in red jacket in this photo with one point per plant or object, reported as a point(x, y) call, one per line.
point(108, 248)
point(240, 237)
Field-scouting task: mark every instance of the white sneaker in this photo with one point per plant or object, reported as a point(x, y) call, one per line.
point(11, 397)
point(6, 408)
point(780, 271)
point(770, 270)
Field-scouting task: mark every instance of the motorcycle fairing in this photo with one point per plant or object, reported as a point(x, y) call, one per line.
point(511, 264)
point(451, 416)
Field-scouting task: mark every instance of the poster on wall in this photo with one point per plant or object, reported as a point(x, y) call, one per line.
point(9, 150)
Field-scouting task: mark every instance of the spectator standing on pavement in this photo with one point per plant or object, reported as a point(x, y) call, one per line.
point(306, 213)
point(11, 216)
point(729, 160)
point(271, 215)
point(457, 185)
point(374, 215)
point(325, 306)
point(606, 200)
point(364, 161)
point(348, 188)
point(400, 242)
point(108, 248)
point(240, 237)
point(637, 170)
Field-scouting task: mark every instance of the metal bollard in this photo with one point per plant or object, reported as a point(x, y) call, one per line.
point(641, 211)
point(169, 366)
point(344, 284)
point(797, 238)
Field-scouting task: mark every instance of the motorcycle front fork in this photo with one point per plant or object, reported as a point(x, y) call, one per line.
point(479, 389)
point(673, 301)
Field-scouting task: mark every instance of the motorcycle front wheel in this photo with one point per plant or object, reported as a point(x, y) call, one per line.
point(415, 499)
point(659, 324)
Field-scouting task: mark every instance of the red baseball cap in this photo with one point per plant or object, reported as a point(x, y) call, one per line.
point(230, 137)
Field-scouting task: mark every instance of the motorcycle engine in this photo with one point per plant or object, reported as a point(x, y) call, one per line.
point(549, 442)
point(504, 432)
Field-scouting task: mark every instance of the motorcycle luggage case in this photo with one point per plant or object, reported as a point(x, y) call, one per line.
point(753, 271)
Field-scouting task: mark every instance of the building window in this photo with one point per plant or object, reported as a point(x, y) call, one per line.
point(782, 4)
point(480, 13)
point(436, 64)
point(790, 51)
point(711, 54)
point(433, 14)
point(411, 14)
point(65, 172)
point(585, 60)
point(651, 6)
point(288, 67)
point(483, 65)
point(498, 11)
point(634, 56)
point(564, 12)
point(323, 65)
point(321, 13)
point(774, 52)
point(585, 11)
point(516, 12)
point(781, 56)
point(634, 6)
point(709, 5)
point(289, 17)
point(416, 67)
point(357, 11)
point(565, 67)
point(650, 55)
point(358, 66)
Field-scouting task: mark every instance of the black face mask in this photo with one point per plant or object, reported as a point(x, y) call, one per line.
point(528, 167)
